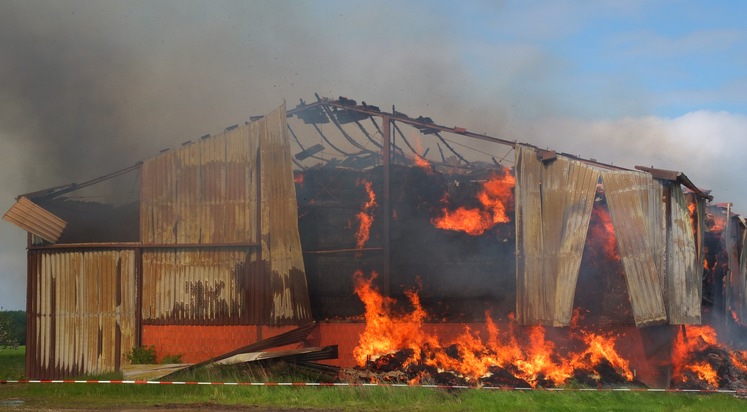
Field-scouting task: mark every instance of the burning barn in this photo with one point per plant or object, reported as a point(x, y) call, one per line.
point(407, 253)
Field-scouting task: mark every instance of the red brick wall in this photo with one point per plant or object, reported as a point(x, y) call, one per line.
point(198, 343)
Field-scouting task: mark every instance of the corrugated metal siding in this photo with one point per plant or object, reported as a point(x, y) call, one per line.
point(656, 240)
point(34, 219)
point(81, 312)
point(210, 193)
point(684, 270)
point(733, 282)
point(636, 209)
point(553, 209)
point(740, 285)
point(281, 242)
point(194, 287)
point(532, 302)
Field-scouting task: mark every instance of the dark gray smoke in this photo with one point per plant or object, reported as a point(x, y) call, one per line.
point(90, 87)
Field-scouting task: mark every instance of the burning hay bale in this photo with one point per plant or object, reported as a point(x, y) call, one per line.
point(395, 348)
point(701, 362)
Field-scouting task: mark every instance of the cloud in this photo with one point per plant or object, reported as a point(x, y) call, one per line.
point(654, 44)
point(707, 146)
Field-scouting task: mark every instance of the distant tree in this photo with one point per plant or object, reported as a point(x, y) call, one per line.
point(8, 331)
point(18, 325)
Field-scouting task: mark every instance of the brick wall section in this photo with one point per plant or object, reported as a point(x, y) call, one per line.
point(197, 343)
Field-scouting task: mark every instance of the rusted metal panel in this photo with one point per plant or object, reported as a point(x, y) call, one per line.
point(81, 311)
point(194, 286)
point(203, 193)
point(579, 187)
point(553, 209)
point(530, 290)
point(734, 287)
point(634, 202)
point(281, 242)
point(34, 219)
point(684, 271)
point(740, 275)
point(210, 193)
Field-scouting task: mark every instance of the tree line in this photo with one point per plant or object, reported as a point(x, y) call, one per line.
point(12, 328)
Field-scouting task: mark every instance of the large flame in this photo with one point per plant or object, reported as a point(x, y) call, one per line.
point(698, 357)
point(365, 216)
point(532, 358)
point(495, 193)
point(602, 231)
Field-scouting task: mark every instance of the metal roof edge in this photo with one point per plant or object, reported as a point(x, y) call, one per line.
point(675, 176)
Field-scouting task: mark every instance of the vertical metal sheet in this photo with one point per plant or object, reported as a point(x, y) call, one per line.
point(684, 271)
point(531, 294)
point(281, 242)
point(634, 202)
point(733, 286)
point(740, 286)
point(210, 193)
point(81, 311)
point(553, 208)
point(579, 188)
point(193, 286)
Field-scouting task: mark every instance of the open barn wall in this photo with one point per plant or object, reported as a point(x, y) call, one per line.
point(460, 276)
point(653, 225)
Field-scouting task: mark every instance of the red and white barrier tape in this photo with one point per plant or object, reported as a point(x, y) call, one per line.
point(343, 384)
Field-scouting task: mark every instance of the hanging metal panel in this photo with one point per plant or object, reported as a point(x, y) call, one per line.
point(281, 242)
point(579, 188)
point(684, 271)
point(532, 295)
point(34, 219)
point(81, 312)
point(733, 281)
point(553, 209)
point(740, 285)
point(634, 200)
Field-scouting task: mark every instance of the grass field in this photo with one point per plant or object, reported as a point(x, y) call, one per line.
point(158, 397)
point(13, 363)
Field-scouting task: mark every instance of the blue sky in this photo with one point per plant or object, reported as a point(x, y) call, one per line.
point(88, 87)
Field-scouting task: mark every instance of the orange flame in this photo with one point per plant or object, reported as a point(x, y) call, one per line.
point(419, 160)
point(298, 178)
point(532, 358)
point(603, 231)
point(423, 164)
point(692, 341)
point(715, 223)
point(365, 216)
point(493, 197)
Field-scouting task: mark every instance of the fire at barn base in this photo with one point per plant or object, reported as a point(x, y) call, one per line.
point(388, 248)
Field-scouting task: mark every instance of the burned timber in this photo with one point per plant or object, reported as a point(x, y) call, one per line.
point(411, 250)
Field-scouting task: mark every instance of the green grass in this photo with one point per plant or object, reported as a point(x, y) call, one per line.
point(111, 396)
point(61, 396)
point(13, 363)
